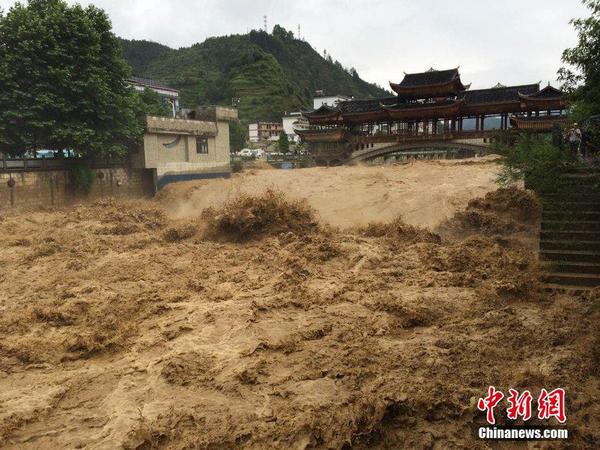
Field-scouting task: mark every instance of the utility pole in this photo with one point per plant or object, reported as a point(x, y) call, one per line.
point(265, 18)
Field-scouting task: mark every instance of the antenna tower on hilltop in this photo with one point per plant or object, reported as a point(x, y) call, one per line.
point(265, 18)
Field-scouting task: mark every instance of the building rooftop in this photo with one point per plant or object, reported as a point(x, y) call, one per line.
point(547, 92)
point(180, 126)
point(323, 110)
point(499, 94)
point(433, 83)
point(361, 106)
point(429, 78)
point(150, 83)
point(322, 94)
point(496, 94)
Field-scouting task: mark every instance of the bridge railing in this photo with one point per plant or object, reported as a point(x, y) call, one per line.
point(416, 137)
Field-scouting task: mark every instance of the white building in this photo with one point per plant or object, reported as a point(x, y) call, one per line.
point(321, 99)
point(264, 131)
point(291, 121)
point(253, 132)
point(167, 94)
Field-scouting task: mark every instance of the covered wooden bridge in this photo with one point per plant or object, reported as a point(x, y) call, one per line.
point(431, 107)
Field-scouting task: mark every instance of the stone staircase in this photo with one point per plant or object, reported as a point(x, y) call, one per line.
point(570, 233)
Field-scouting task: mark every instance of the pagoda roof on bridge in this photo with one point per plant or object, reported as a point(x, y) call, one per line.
point(495, 94)
point(362, 106)
point(430, 83)
point(499, 99)
point(547, 92)
point(499, 94)
point(429, 78)
point(323, 110)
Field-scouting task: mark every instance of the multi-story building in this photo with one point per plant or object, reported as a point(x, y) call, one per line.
point(262, 131)
point(291, 122)
point(169, 95)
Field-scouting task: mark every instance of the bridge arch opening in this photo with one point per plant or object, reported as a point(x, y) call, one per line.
point(400, 152)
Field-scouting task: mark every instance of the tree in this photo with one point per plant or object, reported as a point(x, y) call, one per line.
point(151, 104)
point(237, 136)
point(63, 82)
point(581, 75)
point(282, 33)
point(284, 143)
point(533, 159)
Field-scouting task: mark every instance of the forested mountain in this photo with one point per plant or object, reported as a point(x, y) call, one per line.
point(264, 74)
point(140, 54)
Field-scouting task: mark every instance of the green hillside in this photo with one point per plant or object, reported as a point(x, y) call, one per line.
point(267, 74)
point(140, 54)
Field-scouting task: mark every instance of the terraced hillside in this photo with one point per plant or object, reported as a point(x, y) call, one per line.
point(268, 73)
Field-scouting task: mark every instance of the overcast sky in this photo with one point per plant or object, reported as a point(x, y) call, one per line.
point(507, 41)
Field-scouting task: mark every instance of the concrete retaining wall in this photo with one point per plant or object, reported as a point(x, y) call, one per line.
point(44, 188)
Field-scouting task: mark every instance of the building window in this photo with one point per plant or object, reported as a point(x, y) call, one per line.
point(201, 144)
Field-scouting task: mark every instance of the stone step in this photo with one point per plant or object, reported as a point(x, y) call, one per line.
point(572, 279)
point(575, 225)
point(550, 235)
point(571, 206)
point(570, 255)
point(570, 232)
point(587, 171)
point(565, 288)
point(574, 197)
point(574, 188)
point(570, 244)
point(583, 169)
point(593, 216)
point(579, 179)
point(572, 267)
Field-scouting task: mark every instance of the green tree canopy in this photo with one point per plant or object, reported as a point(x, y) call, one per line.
point(534, 159)
point(581, 75)
point(152, 105)
point(237, 136)
point(284, 143)
point(62, 82)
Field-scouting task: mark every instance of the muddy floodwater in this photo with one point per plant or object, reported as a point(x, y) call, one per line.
point(424, 193)
point(366, 307)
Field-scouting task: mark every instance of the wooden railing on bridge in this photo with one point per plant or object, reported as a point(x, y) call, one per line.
point(419, 137)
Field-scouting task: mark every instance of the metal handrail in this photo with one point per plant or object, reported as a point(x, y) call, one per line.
point(22, 164)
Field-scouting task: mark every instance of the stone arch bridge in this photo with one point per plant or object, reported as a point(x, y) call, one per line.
point(339, 147)
point(398, 151)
